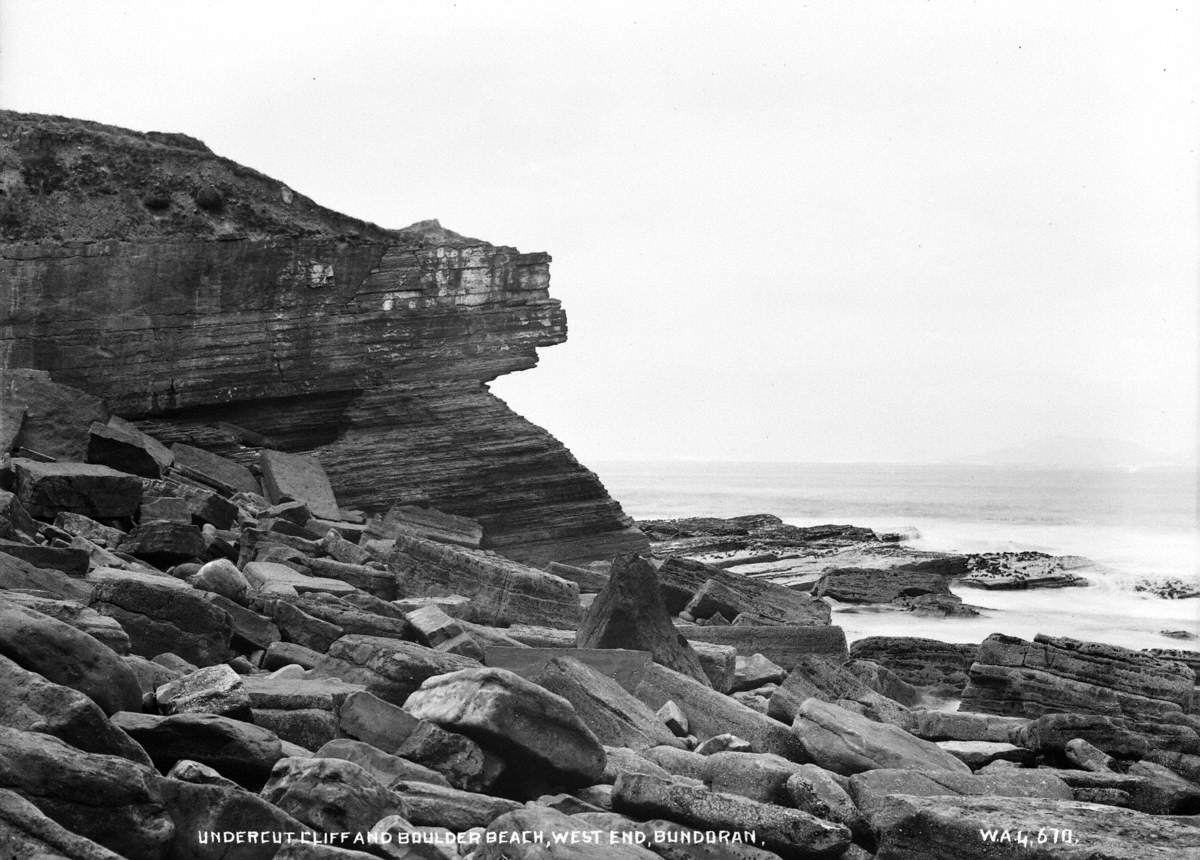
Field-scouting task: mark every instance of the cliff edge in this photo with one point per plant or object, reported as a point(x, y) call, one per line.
point(214, 305)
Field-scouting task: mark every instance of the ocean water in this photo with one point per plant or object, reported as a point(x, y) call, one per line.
point(1134, 524)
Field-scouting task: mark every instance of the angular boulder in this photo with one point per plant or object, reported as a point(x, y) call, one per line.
point(500, 591)
point(121, 446)
point(63, 655)
point(522, 721)
point(629, 613)
point(98, 492)
point(330, 795)
point(388, 668)
point(240, 751)
point(107, 799)
point(845, 742)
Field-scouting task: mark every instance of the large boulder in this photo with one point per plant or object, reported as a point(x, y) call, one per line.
point(107, 799)
point(55, 417)
point(873, 585)
point(296, 477)
point(207, 815)
point(681, 578)
point(216, 471)
point(522, 721)
point(845, 742)
point(385, 767)
point(818, 677)
point(61, 654)
point(797, 833)
point(31, 703)
point(1061, 675)
point(83, 488)
point(211, 690)
point(389, 668)
point(25, 831)
point(629, 613)
point(500, 591)
point(123, 447)
point(330, 795)
point(784, 644)
point(240, 751)
point(82, 618)
point(711, 713)
point(163, 614)
point(429, 804)
point(615, 716)
point(929, 664)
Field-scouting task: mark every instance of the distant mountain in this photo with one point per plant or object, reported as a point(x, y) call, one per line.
point(1073, 452)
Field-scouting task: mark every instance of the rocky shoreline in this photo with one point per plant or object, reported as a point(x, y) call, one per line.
point(279, 578)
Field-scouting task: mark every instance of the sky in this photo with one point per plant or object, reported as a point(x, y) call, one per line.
point(825, 231)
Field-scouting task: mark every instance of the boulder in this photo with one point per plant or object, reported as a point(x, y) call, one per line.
point(430, 804)
point(296, 625)
point(25, 831)
point(784, 644)
point(121, 446)
point(100, 627)
point(757, 776)
point(873, 585)
point(163, 614)
point(1163, 792)
point(264, 574)
point(937, 667)
point(63, 655)
point(464, 763)
point(204, 813)
point(776, 828)
point(17, 574)
point(389, 668)
point(15, 520)
point(755, 671)
point(55, 417)
point(380, 583)
point(961, 726)
point(295, 477)
point(938, 828)
point(330, 795)
point(243, 752)
point(164, 543)
point(86, 527)
point(307, 728)
point(615, 716)
point(71, 560)
point(99, 492)
point(31, 703)
point(819, 677)
point(222, 577)
point(522, 721)
point(1049, 734)
point(500, 591)
point(371, 719)
point(847, 743)
point(199, 504)
point(711, 713)
point(629, 613)
point(680, 579)
point(250, 631)
point(979, 754)
point(220, 473)
point(825, 795)
point(1062, 675)
point(386, 768)
point(212, 690)
point(107, 799)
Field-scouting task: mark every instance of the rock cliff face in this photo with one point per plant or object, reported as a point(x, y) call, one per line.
point(215, 306)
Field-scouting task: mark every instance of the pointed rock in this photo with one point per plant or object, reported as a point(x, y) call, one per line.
point(629, 613)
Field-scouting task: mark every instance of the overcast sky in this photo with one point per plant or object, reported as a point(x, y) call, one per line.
point(826, 231)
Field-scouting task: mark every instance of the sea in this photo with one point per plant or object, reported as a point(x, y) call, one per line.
point(1134, 524)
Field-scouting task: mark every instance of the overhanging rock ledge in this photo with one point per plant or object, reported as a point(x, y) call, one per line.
point(216, 306)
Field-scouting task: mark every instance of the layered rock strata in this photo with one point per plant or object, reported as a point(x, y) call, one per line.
point(219, 308)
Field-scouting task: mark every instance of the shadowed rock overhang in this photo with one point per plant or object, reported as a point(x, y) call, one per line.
point(216, 306)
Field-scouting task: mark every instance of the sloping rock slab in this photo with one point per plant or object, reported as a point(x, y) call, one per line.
point(388, 668)
point(501, 591)
point(107, 799)
point(847, 743)
point(64, 655)
point(26, 832)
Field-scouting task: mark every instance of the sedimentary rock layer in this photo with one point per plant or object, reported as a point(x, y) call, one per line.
point(219, 308)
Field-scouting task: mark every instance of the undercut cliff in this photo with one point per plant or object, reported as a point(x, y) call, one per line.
point(216, 306)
